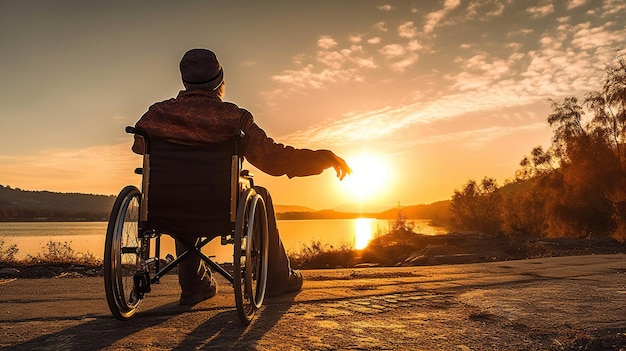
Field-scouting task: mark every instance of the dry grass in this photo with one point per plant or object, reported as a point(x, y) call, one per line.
point(55, 253)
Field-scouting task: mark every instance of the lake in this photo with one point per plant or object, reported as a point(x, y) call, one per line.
point(31, 237)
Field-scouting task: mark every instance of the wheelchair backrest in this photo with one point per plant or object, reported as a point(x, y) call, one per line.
point(190, 190)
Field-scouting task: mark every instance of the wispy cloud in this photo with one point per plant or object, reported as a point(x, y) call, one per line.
point(484, 10)
point(407, 30)
point(386, 122)
point(433, 18)
point(478, 137)
point(612, 7)
point(541, 10)
point(380, 26)
point(575, 3)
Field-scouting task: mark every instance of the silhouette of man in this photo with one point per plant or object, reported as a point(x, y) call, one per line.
point(199, 116)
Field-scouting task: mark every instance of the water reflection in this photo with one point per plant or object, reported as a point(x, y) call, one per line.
point(363, 232)
point(88, 237)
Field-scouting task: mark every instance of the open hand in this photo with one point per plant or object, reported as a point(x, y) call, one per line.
point(341, 167)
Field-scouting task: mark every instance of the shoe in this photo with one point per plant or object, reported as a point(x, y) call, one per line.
point(294, 283)
point(206, 292)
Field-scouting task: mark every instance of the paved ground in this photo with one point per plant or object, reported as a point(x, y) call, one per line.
point(566, 303)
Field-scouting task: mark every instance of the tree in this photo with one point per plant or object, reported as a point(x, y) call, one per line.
point(478, 207)
point(539, 162)
point(609, 107)
point(524, 209)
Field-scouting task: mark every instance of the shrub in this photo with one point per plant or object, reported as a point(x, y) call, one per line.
point(62, 253)
point(7, 254)
point(391, 248)
point(317, 255)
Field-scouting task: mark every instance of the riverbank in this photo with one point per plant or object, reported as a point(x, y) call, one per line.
point(428, 250)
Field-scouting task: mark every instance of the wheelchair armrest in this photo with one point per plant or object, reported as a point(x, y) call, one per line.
point(246, 179)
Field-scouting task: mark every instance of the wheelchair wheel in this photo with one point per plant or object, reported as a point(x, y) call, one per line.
point(250, 255)
point(122, 254)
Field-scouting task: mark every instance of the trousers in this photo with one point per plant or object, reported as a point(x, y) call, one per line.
point(193, 273)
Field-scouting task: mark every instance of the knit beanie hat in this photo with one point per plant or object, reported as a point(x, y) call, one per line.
point(200, 69)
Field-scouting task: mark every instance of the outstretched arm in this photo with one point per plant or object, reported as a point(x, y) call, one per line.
point(277, 159)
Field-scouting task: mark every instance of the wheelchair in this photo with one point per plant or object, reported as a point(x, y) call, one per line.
point(200, 192)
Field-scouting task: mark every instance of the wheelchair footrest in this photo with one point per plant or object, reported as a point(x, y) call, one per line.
point(141, 282)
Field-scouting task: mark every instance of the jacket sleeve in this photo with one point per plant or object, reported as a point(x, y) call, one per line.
point(278, 159)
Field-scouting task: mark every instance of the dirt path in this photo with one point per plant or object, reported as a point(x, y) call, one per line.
point(565, 303)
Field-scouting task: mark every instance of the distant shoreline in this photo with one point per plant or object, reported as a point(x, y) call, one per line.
point(304, 215)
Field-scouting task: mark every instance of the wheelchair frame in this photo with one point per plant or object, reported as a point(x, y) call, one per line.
point(132, 262)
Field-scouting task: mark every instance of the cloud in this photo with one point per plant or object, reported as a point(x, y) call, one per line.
point(405, 62)
point(433, 18)
point(520, 32)
point(326, 42)
point(575, 3)
point(541, 10)
point(589, 38)
point(308, 77)
point(482, 70)
point(392, 51)
point(333, 59)
point(484, 10)
point(611, 7)
point(478, 137)
point(400, 57)
point(385, 8)
point(451, 4)
point(380, 26)
point(366, 63)
point(407, 30)
point(330, 66)
point(384, 123)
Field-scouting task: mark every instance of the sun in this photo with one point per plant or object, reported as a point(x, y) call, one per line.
point(369, 179)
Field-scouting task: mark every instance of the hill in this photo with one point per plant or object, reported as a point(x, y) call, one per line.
point(437, 211)
point(291, 208)
point(23, 205)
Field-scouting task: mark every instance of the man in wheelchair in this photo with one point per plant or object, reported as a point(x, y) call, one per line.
point(198, 116)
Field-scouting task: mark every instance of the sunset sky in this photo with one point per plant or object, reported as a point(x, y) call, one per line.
point(426, 94)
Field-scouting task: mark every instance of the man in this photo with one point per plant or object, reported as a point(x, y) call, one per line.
point(199, 116)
